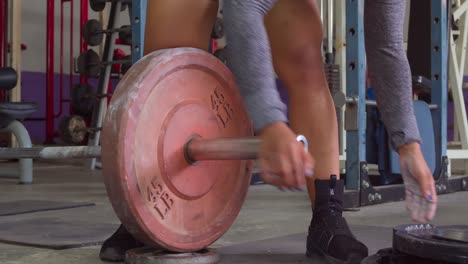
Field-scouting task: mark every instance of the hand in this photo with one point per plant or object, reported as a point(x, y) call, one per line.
point(421, 197)
point(283, 160)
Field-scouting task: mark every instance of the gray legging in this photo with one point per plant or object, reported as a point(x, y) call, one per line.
point(249, 58)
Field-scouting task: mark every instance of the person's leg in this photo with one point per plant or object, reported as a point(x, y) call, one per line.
point(169, 24)
point(295, 32)
point(390, 73)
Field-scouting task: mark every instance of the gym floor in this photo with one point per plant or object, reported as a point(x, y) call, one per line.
point(271, 227)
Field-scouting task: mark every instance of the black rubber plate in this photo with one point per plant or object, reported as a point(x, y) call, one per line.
point(425, 241)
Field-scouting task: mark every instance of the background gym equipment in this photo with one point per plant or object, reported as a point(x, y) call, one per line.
point(218, 29)
point(99, 5)
point(83, 98)
point(10, 113)
point(73, 129)
point(221, 54)
point(126, 65)
point(176, 138)
point(90, 65)
point(93, 33)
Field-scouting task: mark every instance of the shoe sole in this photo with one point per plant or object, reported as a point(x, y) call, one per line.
point(316, 252)
point(108, 256)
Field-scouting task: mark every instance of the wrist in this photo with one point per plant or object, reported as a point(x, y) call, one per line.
point(272, 126)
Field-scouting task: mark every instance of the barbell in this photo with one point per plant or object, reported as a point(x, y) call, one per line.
point(195, 149)
point(177, 149)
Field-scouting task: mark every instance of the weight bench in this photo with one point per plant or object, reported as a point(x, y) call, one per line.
point(10, 113)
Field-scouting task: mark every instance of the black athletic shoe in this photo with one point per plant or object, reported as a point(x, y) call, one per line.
point(114, 248)
point(329, 233)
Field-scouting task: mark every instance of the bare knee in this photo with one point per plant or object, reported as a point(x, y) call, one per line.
point(296, 40)
point(302, 62)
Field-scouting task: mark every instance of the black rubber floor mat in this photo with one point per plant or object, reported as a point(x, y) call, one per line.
point(32, 206)
point(55, 233)
point(292, 248)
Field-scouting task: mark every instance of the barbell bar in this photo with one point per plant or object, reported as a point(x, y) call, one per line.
point(67, 152)
point(196, 149)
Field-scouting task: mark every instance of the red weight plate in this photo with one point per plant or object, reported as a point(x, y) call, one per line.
point(163, 100)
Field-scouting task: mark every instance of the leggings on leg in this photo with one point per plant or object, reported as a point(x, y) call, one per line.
point(389, 69)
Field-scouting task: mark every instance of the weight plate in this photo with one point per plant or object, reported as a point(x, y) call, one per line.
point(97, 5)
point(89, 63)
point(454, 234)
point(126, 66)
point(92, 32)
point(164, 99)
point(125, 36)
point(153, 256)
point(72, 129)
point(444, 243)
point(83, 98)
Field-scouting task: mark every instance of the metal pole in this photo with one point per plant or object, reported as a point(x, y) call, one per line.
point(50, 72)
point(439, 51)
point(104, 78)
point(222, 149)
point(3, 37)
point(83, 44)
point(355, 84)
point(330, 27)
point(50, 153)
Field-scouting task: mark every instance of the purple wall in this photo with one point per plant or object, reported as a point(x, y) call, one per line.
point(34, 90)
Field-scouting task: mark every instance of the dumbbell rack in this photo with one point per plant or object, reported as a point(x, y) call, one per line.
point(104, 78)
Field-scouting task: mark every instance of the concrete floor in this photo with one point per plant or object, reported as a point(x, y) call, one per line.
point(267, 214)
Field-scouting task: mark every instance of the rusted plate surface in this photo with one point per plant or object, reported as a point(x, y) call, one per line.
point(164, 99)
